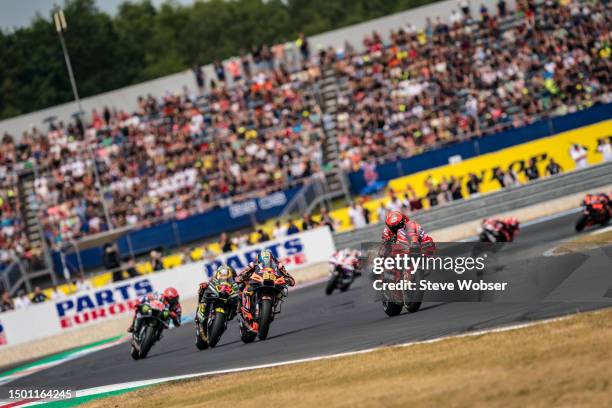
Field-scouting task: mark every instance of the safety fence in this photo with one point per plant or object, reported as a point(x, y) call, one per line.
point(458, 212)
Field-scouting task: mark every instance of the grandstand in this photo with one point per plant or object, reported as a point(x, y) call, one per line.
point(283, 127)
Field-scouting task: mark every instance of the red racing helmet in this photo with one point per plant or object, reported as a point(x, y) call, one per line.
point(171, 295)
point(395, 220)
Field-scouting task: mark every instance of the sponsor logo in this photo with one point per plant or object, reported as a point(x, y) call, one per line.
point(2, 335)
point(251, 206)
point(101, 304)
point(243, 208)
point(273, 200)
point(289, 252)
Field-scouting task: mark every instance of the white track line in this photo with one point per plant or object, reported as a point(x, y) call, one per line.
point(143, 383)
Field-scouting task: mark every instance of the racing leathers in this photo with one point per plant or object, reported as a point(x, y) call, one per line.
point(347, 259)
point(248, 271)
point(503, 231)
point(174, 308)
point(410, 234)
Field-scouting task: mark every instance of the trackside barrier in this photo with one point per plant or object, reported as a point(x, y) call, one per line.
point(459, 212)
point(89, 308)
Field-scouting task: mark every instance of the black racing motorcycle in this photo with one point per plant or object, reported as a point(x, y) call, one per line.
point(341, 277)
point(218, 306)
point(151, 320)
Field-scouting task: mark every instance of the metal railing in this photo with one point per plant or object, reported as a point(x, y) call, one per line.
point(458, 212)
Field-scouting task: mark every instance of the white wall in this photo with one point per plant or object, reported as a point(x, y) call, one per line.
point(116, 300)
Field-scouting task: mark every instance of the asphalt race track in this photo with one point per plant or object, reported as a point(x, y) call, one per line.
point(314, 324)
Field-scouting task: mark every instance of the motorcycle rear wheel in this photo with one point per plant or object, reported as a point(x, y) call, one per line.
point(391, 308)
point(246, 336)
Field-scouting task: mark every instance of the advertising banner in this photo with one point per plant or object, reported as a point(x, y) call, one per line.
point(118, 299)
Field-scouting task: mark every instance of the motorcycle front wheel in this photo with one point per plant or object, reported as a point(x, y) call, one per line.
point(581, 223)
point(392, 308)
point(331, 284)
point(265, 318)
point(216, 329)
point(148, 339)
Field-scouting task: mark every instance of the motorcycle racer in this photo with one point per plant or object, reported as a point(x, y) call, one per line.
point(224, 273)
point(170, 297)
point(265, 259)
point(347, 258)
point(399, 228)
point(591, 200)
point(504, 230)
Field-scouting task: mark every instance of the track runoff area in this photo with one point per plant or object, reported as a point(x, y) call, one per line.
point(507, 286)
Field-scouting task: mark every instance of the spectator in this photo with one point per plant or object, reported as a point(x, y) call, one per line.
point(394, 203)
point(501, 8)
point(200, 78)
point(366, 213)
point(604, 147)
point(292, 228)
point(381, 213)
point(308, 223)
point(156, 260)
point(56, 293)
point(263, 236)
point(39, 296)
point(225, 243)
point(131, 268)
point(473, 184)
point(511, 178)
point(579, 156)
point(22, 301)
point(326, 219)
point(531, 171)
point(357, 215)
point(500, 176)
point(82, 284)
point(553, 168)
point(112, 262)
point(455, 189)
point(432, 195)
point(464, 5)
point(7, 303)
point(219, 70)
point(279, 231)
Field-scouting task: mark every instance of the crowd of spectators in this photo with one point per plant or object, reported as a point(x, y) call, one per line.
point(174, 157)
point(471, 76)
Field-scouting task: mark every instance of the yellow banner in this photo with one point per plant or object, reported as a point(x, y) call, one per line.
point(515, 157)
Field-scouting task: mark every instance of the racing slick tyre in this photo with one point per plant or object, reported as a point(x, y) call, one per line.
point(147, 341)
point(265, 318)
point(581, 223)
point(246, 336)
point(415, 298)
point(331, 284)
point(134, 353)
point(201, 344)
point(392, 308)
point(216, 329)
